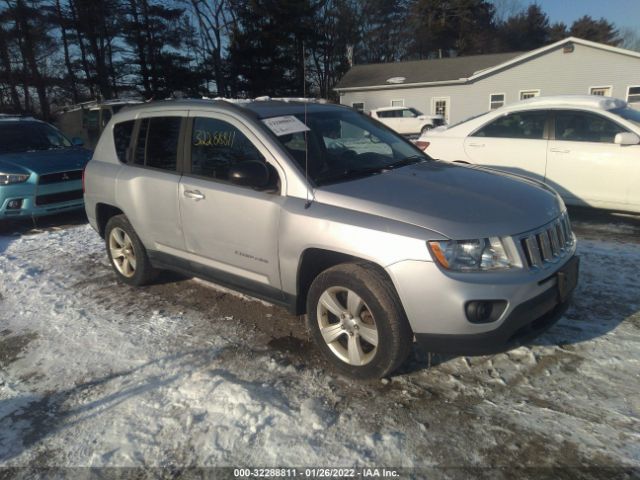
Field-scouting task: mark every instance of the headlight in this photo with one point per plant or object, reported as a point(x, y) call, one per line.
point(471, 255)
point(7, 178)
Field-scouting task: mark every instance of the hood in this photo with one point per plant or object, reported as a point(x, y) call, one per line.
point(45, 161)
point(459, 202)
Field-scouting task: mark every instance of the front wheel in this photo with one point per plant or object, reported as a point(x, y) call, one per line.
point(127, 254)
point(355, 317)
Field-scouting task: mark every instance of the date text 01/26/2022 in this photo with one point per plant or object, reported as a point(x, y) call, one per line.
point(315, 472)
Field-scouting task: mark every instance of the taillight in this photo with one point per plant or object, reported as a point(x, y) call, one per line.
point(422, 145)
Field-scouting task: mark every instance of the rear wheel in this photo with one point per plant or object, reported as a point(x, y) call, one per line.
point(355, 317)
point(425, 129)
point(127, 254)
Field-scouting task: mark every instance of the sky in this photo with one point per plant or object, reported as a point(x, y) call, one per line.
point(623, 13)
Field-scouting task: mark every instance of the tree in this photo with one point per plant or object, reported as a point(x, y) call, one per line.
point(526, 31)
point(595, 30)
point(267, 47)
point(383, 30)
point(335, 33)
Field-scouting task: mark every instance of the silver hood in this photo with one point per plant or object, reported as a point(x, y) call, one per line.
point(460, 202)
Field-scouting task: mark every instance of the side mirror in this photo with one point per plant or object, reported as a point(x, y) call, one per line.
point(253, 174)
point(77, 142)
point(626, 138)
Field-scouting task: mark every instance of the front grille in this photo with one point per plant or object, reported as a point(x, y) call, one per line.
point(60, 177)
point(547, 245)
point(58, 197)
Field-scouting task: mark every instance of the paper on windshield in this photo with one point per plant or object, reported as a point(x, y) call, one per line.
point(285, 125)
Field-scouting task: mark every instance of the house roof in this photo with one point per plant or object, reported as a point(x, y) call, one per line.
point(449, 70)
point(421, 71)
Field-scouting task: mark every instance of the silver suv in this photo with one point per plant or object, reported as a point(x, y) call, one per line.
point(327, 212)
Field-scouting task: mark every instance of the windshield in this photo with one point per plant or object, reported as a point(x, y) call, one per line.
point(416, 113)
point(342, 145)
point(628, 113)
point(20, 136)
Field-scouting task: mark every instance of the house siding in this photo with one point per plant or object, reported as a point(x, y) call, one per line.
point(553, 73)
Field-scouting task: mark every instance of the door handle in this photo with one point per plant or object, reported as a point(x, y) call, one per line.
point(195, 194)
point(476, 144)
point(558, 150)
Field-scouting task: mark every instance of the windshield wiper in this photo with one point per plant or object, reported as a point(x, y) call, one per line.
point(405, 161)
point(349, 174)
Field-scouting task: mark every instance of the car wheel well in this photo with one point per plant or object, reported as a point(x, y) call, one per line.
point(314, 261)
point(104, 213)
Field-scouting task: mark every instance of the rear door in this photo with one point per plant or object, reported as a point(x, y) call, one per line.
point(515, 142)
point(230, 229)
point(148, 189)
point(586, 166)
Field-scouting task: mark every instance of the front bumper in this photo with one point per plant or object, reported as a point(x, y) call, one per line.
point(526, 321)
point(58, 199)
point(434, 304)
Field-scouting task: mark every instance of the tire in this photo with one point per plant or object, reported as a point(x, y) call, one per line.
point(132, 265)
point(355, 317)
point(425, 129)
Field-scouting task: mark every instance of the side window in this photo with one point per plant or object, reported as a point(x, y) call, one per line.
point(106, 116)
point(141, 144)
point(525, 125)
point(122, 138)
point(157, 144)
point(217, 145)
point(585, 127)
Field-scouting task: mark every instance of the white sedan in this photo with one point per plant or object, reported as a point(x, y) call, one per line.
point(586, 147)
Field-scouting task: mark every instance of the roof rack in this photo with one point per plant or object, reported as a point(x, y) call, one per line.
point(266, 98)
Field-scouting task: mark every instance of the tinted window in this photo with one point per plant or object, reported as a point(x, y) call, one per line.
point(122, 138)
point(585, 127)
point(157, 145)
point(217, 145)
point(106, 116)
point(141, 144)
point(528, 125)
point(24, 136)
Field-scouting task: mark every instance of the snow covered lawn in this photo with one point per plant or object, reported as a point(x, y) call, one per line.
point(95, 373)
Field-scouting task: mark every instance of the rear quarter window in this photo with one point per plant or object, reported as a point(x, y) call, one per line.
point(122, 133)
point(157, 144)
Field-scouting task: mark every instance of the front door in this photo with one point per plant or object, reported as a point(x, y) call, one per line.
point(515, 143)
point(586, 166)
point(230, 229)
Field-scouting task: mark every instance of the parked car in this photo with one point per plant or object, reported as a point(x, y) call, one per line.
point(87, 120)
point(406, 121)
point(585, 147)
point(320, 209)
point(40, 169)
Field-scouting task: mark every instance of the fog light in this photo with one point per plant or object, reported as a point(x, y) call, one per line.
point(484, 311)
point(14, 204)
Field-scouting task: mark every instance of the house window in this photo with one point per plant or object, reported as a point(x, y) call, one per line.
point(397, 103)
point(440, 106)
point(600, 91)
point(496, 100)
point(359, 106)
point(633, 95)
point(524, 94)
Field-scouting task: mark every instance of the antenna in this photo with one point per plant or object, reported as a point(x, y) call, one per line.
point(306, 132)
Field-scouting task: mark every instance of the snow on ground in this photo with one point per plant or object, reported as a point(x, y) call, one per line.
point(96, 373)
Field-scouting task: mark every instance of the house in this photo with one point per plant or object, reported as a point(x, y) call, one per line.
point(460, 87)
